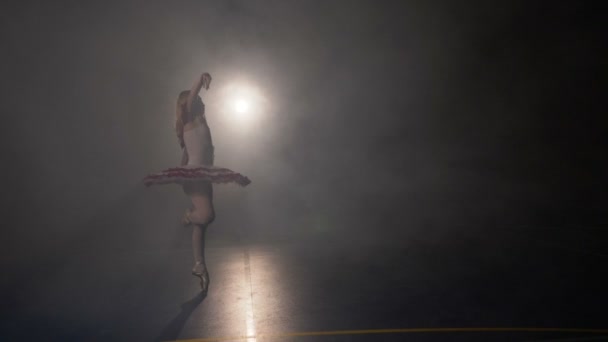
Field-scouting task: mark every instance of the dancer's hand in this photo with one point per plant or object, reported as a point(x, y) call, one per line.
point(206, 80)
point(203, 81)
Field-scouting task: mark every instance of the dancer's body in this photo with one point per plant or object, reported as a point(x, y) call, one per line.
point(196, 173)
point(195, 138)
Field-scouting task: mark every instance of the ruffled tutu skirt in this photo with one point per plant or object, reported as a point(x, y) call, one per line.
point(196, 173)
point(200, 166)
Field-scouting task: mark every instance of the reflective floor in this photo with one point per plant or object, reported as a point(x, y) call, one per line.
point(316, 288)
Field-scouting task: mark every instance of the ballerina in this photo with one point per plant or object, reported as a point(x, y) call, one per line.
point(196, 172)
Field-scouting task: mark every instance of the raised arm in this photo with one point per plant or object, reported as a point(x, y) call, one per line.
point(203, 81)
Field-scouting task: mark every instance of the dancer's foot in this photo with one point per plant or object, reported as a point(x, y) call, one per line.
point(200, 270)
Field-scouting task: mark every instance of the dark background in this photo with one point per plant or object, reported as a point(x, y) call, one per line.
point(384, 120)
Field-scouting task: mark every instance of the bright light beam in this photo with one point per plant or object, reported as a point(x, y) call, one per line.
point(241, 106)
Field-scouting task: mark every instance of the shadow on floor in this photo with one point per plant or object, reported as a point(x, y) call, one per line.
point(172, 330)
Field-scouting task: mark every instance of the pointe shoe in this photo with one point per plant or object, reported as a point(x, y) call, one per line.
point(200, 270)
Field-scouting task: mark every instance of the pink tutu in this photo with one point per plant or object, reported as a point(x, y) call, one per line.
point(199, 154)
point(196, 173)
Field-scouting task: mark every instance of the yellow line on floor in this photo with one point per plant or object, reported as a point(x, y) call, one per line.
point(398, 331)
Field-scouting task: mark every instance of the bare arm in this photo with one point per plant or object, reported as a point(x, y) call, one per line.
point(184, 158)
point(203, 81)
point(179, 125)
point(179, 130)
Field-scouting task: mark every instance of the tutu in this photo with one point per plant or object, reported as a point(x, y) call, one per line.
point(200, 164)
point(194, 173)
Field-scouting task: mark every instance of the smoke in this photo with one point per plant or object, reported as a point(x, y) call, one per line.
point(380, 119)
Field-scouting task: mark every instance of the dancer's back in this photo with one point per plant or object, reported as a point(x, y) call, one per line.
point(195, 136)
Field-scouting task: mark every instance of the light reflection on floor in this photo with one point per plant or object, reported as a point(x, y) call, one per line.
point(249, 318)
